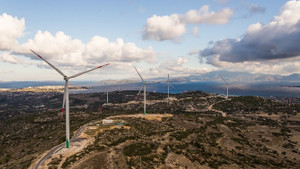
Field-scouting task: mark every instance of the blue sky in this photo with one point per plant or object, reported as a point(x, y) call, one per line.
point(157, 37)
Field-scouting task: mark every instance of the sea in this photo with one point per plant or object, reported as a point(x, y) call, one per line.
point(270, 89)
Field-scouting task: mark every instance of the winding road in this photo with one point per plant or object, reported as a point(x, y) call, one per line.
point(210, 107)
point(57, 148)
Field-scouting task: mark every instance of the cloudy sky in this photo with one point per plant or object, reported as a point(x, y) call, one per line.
point(179, 37)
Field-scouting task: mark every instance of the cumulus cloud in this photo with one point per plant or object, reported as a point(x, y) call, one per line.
point(176, 67)
point(269, 67)
point(194, 52)
point(8, 58)
point(59, 48)
point(174, 64)
point(172, 27)
point(277, 40)
point(164, 28)
point(101, 49)
point(65, 51)
point(11, 28)
point(203, 15)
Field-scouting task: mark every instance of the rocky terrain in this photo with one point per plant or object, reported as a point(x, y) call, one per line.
point(204, 131)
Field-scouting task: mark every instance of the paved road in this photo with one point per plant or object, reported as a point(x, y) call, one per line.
point(56, 148)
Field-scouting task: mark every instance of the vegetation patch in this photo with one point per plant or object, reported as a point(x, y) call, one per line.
point(139, 149)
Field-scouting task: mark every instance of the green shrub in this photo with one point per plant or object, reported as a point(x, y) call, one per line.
point(138, 149)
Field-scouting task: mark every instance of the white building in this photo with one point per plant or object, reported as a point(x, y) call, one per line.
point(107, 122)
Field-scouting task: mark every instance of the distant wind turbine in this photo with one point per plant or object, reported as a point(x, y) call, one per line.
point(226, 86)
point(145, 88)
point(106, 97)
point(66, 93)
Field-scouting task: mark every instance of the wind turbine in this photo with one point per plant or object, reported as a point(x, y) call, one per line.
point(145, 88)
point(226, 86)
point(169, 87)
point(66, 93)
point(107, 97)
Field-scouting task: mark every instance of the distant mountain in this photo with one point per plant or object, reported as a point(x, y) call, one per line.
point(244, 77)
point(241, 77)
point(292, 77)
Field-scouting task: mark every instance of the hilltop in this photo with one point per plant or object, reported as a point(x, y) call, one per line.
point(202, 131)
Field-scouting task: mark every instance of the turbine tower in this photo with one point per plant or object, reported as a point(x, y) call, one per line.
point(226, 86)
point(106, 97)
point(145, 89)
point(169, 85)
point(66, 93)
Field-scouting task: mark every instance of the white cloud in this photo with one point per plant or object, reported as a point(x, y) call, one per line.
point(289, 14)
point(59, 48)
point(279, 41)
point(64, 51)
point(172, 27)
point(285, 67)
point(8, 58)
point(173, 64)
point(177, 68)
point(101, 49)
point(11, 28)
point(203, 15)
point(164, 28)
point(194, 52)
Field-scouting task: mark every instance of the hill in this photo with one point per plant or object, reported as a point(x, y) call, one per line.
point(204, 130)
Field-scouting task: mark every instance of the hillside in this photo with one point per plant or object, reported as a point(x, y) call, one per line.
point(204, 131)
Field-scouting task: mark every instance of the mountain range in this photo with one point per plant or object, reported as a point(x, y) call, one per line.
point(239, 77)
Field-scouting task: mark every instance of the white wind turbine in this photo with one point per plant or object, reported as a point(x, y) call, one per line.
point(107, 97)
point(169, 87)
point(226, 86)
point(145, 88)
point(66, 93)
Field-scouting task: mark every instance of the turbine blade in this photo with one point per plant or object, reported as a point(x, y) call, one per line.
point(60, 72)
point(223, 79)
point(139, 74)
point(141, 89)
point(78, 74)
point(172, 86)
point(64, 100)
point(64, 104)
